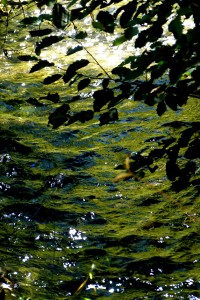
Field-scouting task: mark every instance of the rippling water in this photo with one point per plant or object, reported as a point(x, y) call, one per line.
point(68, 231)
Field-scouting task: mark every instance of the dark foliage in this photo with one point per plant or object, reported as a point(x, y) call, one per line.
point(163, 75)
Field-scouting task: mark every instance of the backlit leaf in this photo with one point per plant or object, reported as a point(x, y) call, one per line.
point(126, 16)
point(81, 35)
point(161, 108)
point(71, 71)
point(51, 79)
point(27, 57)
point(176, 27)
point(107, 117)
point(120, 40)
point(46, 42)
point(59, 116)
point(107, 21)
point(74, 50)
point(60, 16)
point(101, 98)
point(130, 32)
point(40, 65)
point(30, 21)
point(40, 32)
point(82, 116)
point(83, 83)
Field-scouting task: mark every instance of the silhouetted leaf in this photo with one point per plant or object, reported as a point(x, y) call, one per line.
point(126, 16)
point(105, 83)
point(52, 97)
point(71, 71)
point(82, 116)
point(60, 16)
point(158, 70)
point(130, 32)
point(193, 150)
point(122, 72)
point(40, 32)
point(76, 14)
point(34, 101)
point(52, 78)
point(81, 35)
point(170, 100)
point(101, 98)
point(40, 65)
point(45, 17)
point(83, 83)
point(175, 72)
point(46, 42)
point(30, 21)
point(59, 116)
point(172, 170)
point(107, 20)
point(41, 3)
point(161, 108)
point(176, 27)
point(141, 39)
point(27, 57)
point(107, 117)
point(74, 50)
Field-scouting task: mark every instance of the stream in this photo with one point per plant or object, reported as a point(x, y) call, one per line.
point(67, 231)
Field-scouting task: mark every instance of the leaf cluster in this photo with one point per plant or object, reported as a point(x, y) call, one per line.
point(164, 74)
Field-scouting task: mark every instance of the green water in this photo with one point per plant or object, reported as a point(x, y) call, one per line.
point(68, 231)
point(63, 220)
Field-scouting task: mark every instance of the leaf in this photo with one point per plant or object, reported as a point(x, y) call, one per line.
point(172, 170)
point(127, 73)
point(41, 3)
point(141, 40)
point(171, 101)
point(130, 32)
point(60, 17)
point(81, 35)
point(101, 98)
point(176, 27)
point(83, 83)
point(51, 79)
point(40, 65)
point(40, 32)
point(105, 83)
point(120, 40)
point(161, 108)
point(52, 97)
point(158, 70)
point(74, 50)
point(107, 20)
point(98, 25)
point(76, 14)
point(45, 17)
point(175, 72)
point(46, 42)
point(34, 101)
point(27, 57)
point(107, 117)
point(59, 116)
point(30, 21)
point(82, 116)
point(126, 16)
point(71, 71)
